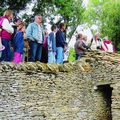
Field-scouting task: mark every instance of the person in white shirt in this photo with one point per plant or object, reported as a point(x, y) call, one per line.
point(96, 42)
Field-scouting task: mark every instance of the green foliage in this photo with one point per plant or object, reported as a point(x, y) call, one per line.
point(1, 11)
point(72, 55)
point(68, 10)
point(15, 5)
point(105, 14)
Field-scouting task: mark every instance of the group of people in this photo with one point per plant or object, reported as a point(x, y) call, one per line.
point(96, 43)
point(16, 42)
point(34, 43)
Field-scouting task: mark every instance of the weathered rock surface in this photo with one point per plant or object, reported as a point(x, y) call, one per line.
point(88, 89)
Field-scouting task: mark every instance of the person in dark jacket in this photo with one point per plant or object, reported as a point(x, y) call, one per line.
point(60, 43)
point(80, 46)
point(19, 43)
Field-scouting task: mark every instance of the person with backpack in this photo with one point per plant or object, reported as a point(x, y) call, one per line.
point(6, 34)
point(19, 43)
point(52, 45)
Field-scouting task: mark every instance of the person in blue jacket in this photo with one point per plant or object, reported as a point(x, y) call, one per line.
point(18, 43)
point(60, 43)
point(52, 45)
point(35, 35)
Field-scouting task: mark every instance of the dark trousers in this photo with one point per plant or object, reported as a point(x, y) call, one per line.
point(35, 51)
point(6, 53)
point(44, 58)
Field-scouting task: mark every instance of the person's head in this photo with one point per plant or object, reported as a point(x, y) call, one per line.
point(105, 38)
point(54, 28)
point(79, 37)
point(97, 35)
point(38, 19)
point(17, 21)
point(21, 27)
point(62, 26)
point(8, 14)
point(85, 37)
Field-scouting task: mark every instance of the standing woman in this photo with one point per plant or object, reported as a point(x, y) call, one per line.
point(6, 34)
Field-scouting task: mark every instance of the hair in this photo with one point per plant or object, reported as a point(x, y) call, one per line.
point(37, 16)
point(16, 19)
point(79, 36)
point(84, 37)
point(53, 27)
point(21, 25)
point(61, 25)
point(7, 13)
point(97, 34)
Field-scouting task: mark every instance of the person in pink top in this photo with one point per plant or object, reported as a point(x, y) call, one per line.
point(107, 45)
point(6, 34)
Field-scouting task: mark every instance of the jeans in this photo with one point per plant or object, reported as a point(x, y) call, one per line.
point(6, 53)
point(78, 56)
point(60, 55)
point(35, 51)
point(51, 57)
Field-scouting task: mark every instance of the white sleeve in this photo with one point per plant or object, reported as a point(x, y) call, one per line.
point(103, 46)
point(7, 26)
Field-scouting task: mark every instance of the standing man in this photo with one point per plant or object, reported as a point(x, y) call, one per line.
point(35, 37)
point(60, 43)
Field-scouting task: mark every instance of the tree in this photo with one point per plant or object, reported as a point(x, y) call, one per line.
point(15, 5)
point(69, 11)
point(105, 14)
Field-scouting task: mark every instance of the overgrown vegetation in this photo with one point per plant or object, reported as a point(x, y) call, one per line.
point(103, 13)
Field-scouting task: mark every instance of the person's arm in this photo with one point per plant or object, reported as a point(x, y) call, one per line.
point(29, 32)
point(7, 26)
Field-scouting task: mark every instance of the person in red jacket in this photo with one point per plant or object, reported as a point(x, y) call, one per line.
point(107, 45)
point(6, 34)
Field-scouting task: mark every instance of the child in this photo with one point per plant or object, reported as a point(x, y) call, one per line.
point(52, 45)
point(19, 43)
point(80, 46)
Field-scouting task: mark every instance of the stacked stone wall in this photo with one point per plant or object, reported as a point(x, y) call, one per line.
point(36, 91)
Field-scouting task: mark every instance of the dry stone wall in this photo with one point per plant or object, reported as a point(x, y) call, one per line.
point(72, 91)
